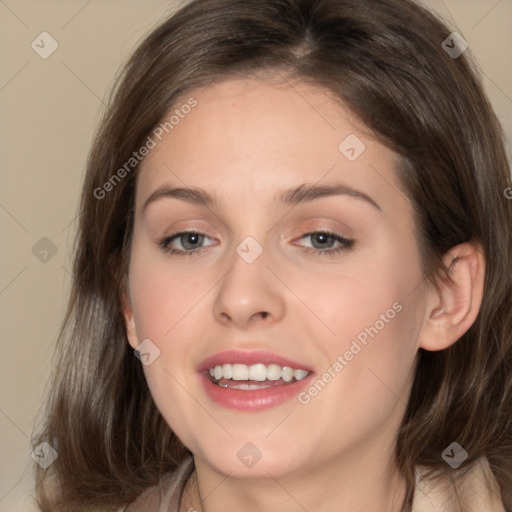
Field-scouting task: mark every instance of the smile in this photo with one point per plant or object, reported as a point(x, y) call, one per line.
point(252, 380)
point(255, 376)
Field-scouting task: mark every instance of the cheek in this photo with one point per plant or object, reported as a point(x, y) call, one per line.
point(366, 295)
point(371, 318)
point(368, 372)
point(169, 389)
point(162, 307)
point(161, 294)
point(371, 324)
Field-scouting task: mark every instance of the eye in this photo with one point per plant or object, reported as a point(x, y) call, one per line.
point(324, 243)
point(185, 243)
point(189, 243)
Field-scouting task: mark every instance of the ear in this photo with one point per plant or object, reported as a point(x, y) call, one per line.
point(452, 310)
point(129, 321)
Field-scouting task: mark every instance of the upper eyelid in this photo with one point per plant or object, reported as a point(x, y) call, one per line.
point(302, 234)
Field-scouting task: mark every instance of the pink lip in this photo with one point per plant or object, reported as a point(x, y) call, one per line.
point(256, 399)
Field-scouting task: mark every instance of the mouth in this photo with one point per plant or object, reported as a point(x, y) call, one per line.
point(252, 381)
point(255, 376)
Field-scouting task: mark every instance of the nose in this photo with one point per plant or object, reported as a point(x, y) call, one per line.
point(248, 294)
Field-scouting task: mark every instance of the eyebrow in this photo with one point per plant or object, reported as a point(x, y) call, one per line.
point(293, 196)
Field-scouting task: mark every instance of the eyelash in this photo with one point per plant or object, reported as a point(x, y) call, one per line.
point(346, 244)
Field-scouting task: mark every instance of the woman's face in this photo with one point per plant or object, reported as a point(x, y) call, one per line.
point(262, 171)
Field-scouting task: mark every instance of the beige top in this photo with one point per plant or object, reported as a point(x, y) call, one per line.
point(480, 495)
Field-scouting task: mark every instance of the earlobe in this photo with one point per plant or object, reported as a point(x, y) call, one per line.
point(453, 309)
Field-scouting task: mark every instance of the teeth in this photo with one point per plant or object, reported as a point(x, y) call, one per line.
point(239, 372)
point(287, 373)
point(257, 372)
point(227, 371)
point(217, 372)
point(300, 374)
point(273, 372)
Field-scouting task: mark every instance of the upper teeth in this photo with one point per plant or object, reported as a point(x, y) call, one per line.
point(259, 372)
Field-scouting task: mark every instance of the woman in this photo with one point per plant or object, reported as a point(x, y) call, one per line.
point(292, 283)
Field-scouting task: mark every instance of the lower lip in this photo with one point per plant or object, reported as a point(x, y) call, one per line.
point(252, 399)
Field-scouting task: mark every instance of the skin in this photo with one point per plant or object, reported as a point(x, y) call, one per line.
point(246, 140)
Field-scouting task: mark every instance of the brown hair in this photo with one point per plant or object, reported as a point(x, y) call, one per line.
point(384, 59)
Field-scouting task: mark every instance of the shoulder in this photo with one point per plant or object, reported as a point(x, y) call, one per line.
point(159, 497)
point(478, 488)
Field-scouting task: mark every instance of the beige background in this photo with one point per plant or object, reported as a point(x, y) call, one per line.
point(49, 108)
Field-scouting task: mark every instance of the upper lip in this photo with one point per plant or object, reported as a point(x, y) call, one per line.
point(250, 358)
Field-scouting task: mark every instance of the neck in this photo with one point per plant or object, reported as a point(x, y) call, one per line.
point(355, 485)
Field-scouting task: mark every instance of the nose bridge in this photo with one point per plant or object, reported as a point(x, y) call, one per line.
point(249, 290)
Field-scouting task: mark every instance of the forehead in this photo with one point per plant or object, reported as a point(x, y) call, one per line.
point(253, 136)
